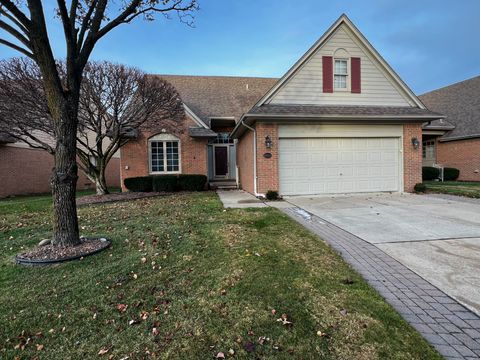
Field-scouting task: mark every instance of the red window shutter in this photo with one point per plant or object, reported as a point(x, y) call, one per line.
point(356, 77)
point(327, 68)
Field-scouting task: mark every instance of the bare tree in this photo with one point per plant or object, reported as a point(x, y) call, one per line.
point(115, 101)
point(84, 22)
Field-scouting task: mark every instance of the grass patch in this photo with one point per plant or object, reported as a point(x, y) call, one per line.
point(461, 188)
point(23, 203)
point(195, 280)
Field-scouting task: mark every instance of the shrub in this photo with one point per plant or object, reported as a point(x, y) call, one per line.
point(272, 195)
point(192, 182)
point(430, 173)
point(165, 183)
point(139, 184)
point(420, 188)
point(450, 174)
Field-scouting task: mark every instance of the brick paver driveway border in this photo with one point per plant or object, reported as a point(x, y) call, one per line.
point(450, 327)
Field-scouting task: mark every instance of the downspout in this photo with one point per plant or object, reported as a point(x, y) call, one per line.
point(254, 157)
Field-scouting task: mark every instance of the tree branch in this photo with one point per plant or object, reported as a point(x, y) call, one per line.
point(18, 48)
point(14, 20)
point(15, 33)
point(15, 11)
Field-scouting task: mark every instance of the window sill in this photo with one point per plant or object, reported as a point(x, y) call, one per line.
point(164, 173)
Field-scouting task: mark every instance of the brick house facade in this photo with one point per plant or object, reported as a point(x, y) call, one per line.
point(455, 141)
point(322, 128)
point(27, 171)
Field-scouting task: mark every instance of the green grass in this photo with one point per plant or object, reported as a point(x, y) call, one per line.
point(22, 203)
point(207, 279)
point(461, 188)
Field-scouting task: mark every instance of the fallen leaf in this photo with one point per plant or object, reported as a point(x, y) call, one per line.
point(155, 331)
point(231, 352)
point(343, 312)
point(121, 307)
point(144, 260)
point(40, 347)
point(220, 355)
point(103, 351)
point(133, 322)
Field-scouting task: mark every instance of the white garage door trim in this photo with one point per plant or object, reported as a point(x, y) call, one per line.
point(308, 157)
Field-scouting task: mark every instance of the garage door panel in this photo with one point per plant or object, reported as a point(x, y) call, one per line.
point(338, 165)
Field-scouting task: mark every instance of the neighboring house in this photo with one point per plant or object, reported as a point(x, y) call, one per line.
point(455, 141)
point(339, 121)
point(26, 170)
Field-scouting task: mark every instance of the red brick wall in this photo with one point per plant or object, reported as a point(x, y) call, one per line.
point(27, 171)
point(193, 153)
point(412, 158)
point(267, 169)
point(245, 161)
point(463, 155)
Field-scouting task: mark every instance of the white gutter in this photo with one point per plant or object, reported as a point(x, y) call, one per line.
point(254, 157)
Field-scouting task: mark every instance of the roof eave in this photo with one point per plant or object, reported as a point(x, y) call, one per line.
point(250, 118)
point(456, 138)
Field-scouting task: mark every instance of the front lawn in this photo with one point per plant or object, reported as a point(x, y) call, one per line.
point(461, 188)
point(186, 279)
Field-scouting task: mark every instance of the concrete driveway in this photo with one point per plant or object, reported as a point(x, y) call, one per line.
point(436, 237)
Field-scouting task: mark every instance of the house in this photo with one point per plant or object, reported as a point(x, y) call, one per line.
point(27, 170)
point(455, 141)
point(339, 121)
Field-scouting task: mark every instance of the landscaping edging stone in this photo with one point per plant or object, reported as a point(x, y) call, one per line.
point(43, 262)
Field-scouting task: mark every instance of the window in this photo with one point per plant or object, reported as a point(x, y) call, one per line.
point(164, 154)
point(340, 74)
point(428, 149)
point(222, 138)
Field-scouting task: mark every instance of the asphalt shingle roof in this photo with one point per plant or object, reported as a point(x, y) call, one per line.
point(219, 96)
point(460, 103)
point(312, 110)
point(201, 132)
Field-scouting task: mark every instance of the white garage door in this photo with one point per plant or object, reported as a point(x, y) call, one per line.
point(338, 165)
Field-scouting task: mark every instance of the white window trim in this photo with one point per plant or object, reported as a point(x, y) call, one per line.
point(164, 138)
point(348, 88)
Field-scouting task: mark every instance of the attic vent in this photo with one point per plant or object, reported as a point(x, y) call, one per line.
point(246, 86)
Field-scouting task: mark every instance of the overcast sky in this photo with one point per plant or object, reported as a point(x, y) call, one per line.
point(430, 43)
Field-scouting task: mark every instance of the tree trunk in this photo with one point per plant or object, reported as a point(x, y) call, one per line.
point(101, 184)
point(64, 176)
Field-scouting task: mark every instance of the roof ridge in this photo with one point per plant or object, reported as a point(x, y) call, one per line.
point(217, 76)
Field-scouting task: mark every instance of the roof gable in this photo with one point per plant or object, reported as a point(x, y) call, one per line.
point(302, 84)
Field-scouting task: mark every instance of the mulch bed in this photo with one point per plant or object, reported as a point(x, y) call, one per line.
point(52, 254)
point(124, 196)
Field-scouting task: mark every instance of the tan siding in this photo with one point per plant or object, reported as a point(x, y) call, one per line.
point(377, 87)
point(42, 136)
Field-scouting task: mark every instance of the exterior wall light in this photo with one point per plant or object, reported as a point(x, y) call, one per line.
point(415, 143)
point(268, 142)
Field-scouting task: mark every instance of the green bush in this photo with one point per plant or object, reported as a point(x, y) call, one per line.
point(272, 195)
point(167, 183)
point(420, 188)
point(450, 174)
point(192, 182)
point(430, 173)
point(139, 184)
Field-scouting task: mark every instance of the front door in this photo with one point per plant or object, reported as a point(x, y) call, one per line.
point(220, 154)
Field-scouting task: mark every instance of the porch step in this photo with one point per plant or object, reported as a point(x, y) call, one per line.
point(223, 185)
